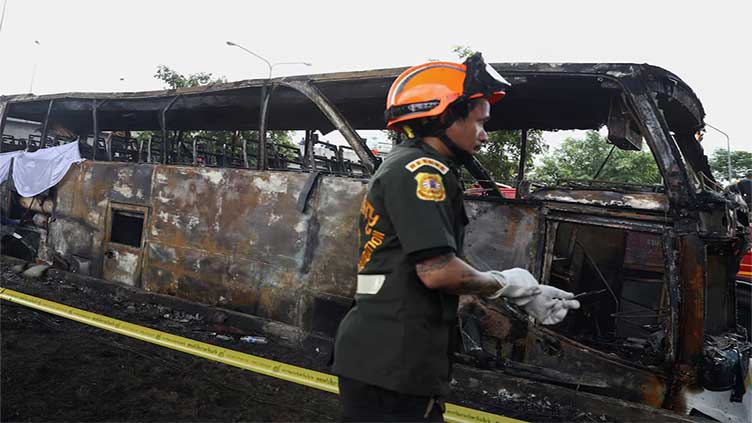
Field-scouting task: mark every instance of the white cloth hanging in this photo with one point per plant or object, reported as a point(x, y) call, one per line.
point(38, 171)
point(5, 159)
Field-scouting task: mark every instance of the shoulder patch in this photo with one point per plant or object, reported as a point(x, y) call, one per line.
point(427, 161)
point(430, 187)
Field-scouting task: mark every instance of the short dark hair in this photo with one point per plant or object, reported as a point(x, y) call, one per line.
point(461, 109)
point(434, 126)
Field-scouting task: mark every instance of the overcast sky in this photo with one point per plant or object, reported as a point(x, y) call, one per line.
point(92, 45)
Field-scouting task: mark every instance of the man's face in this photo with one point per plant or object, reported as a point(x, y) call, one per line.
point(469, 134)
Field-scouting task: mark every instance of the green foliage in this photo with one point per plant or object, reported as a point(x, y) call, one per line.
point(741, 161)
point(463, 52)
point(174, 80)
point(581, 158)
point(500, 155)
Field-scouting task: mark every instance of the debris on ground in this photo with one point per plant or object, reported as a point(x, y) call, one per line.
point(36, 271)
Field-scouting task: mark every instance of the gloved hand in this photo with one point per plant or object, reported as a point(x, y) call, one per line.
point(517, 285)
point(551, 305)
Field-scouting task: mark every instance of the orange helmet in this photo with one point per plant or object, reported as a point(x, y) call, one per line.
point(427, 90)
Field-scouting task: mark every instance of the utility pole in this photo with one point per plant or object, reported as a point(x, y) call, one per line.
point(34, 69)
point(2, 14)
point(728, 149)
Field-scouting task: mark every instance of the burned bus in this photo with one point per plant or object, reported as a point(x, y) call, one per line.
point(186, 193)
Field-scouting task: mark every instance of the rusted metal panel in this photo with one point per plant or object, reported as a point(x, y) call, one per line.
point(131, 184)
point(122, 264)
point(82, 202)
point(539, 353)
point(245, 285)
point(230, 212)
point(643, 251)
point(503, 235)
point(70, 236)
point(620, 378)
point(251, 249)
point(331, 253)
point(125, 230)
point(692, 310)
point(643, 201)
point(81, 209)
point(264, 251)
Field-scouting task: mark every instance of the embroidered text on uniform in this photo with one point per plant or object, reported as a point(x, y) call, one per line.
point(427, 161)
point(377, 237)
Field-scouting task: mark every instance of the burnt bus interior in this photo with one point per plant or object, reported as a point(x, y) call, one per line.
point(219, 130)
point(604, 239)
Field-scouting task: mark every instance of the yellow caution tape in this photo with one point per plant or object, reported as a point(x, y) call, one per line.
point(302, 376)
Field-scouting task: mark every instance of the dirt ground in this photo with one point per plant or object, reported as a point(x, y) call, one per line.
point(54, 369)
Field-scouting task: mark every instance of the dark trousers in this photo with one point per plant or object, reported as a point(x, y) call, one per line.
point(368, 403)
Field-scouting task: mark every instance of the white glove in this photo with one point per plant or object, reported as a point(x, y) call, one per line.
point(551, 305)
point(517, 285)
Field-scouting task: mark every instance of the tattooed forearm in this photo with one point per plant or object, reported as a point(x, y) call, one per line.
point(452, 275)
point(473, 283)
point(432, 265)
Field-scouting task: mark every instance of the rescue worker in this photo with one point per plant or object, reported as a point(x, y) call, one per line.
point(393, 347)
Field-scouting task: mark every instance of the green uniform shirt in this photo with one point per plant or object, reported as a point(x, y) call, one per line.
point(397, 334)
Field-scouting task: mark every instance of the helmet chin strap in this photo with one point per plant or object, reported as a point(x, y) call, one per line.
point(461, 156)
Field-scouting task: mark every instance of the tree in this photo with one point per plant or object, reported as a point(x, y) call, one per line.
point(463, 52)
point(741, 161)
point(581, 159)
point(500, 155)
point(175, 80)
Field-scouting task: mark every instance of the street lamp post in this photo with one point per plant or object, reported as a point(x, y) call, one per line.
point(265, 96)
point(2, 16)
point(728, 148)
point(269, 64)
point(34, 68)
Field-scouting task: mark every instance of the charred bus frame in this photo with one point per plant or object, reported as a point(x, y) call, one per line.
point(261, 240)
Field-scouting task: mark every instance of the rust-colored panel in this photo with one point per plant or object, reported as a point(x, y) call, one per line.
point(69, 236)
point(131, 183)
point(620, 379)
point(69, 187)
point(634, 200)
point(262, 289)
point(692, 306)
point(232, 212)
point(644, 251)
point(332, 249)
point(82, 201)
point(502, 236)
point(653, 390)
point(254, 287)
point(185, 272)
point(122, 264)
